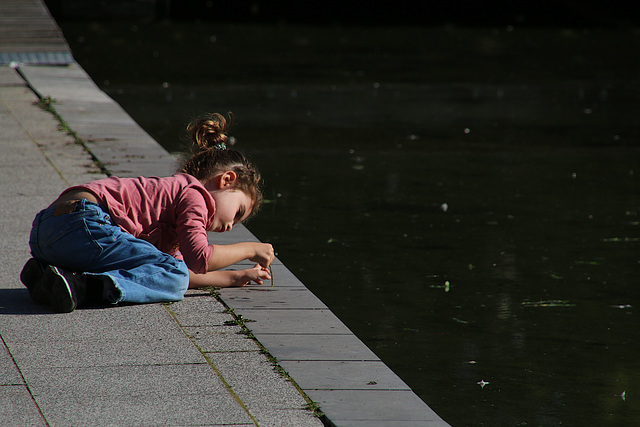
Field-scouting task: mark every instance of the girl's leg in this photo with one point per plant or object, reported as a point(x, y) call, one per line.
point(87, 241)
point(141, 272)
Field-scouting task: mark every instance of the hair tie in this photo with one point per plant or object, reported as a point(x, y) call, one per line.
point(220, 146)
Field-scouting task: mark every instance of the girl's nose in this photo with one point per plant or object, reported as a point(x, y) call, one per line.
point(228, 227)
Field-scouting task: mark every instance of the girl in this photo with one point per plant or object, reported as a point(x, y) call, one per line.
point(143, 240)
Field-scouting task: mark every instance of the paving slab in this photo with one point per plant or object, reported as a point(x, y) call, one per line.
point(157, 381)
point(316, 347)
point(258, 379)
point(9, 374)
point(280, 297)
point(293, 321)
point(122, 409)
point(54, 83)
point(197, 310)
point(10, 78)
point(343, 375)
point(221, 339)
point(377, 406)
point(17, 407)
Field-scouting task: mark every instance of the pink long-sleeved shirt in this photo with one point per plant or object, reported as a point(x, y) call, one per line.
point(172, 213)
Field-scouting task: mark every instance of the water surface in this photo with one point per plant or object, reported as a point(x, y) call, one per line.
point(465, 199)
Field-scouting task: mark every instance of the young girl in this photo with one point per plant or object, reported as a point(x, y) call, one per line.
point(143, 240)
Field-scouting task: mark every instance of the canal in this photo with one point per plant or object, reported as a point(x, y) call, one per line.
point(466, 200)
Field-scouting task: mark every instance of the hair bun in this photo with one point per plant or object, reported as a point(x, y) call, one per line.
point(209, 132)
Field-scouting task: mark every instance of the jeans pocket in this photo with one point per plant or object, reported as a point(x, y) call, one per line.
point(69, 241)
point(54, 233)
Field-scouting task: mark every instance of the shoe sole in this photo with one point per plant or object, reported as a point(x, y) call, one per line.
point(60, 291)
point(31, 276)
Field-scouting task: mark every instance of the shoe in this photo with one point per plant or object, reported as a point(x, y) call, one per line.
point(60, 289)
point(64, 287)
point(101, 290)
point(31, 276)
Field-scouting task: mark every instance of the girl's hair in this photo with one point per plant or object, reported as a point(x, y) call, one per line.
point(211, 156)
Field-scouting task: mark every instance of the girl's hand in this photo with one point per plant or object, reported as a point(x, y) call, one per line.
point(225, 255)
point(257, 274)
point(264, 254)
point(229, 278)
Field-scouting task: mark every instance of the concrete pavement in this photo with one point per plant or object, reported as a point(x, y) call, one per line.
point(179, 364)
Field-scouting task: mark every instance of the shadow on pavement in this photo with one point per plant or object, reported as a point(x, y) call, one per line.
point(18, 301)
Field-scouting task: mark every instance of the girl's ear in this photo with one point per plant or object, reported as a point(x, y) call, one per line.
point(228, 179)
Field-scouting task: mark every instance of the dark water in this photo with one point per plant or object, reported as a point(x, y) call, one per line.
point(466, 200)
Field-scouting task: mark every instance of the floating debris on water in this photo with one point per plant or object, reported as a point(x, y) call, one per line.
point(483, 383)
point(446, 286)
point(622, 239)
point(548, 303)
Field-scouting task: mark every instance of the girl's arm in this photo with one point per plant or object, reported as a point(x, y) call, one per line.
point(229, 278)
point(226, 255)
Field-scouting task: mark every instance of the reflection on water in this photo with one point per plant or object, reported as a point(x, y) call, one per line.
point(466, 200)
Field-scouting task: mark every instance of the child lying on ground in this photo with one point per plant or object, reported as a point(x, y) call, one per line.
point(143, 240)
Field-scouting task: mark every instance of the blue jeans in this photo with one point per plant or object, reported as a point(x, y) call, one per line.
point(88, 241)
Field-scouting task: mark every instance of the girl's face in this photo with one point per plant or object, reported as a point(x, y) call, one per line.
point(232, 206)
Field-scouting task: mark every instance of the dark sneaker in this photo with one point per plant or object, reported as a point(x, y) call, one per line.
point(31, 276)
point(64, 288)
point(101, 290)
point(60, 289)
